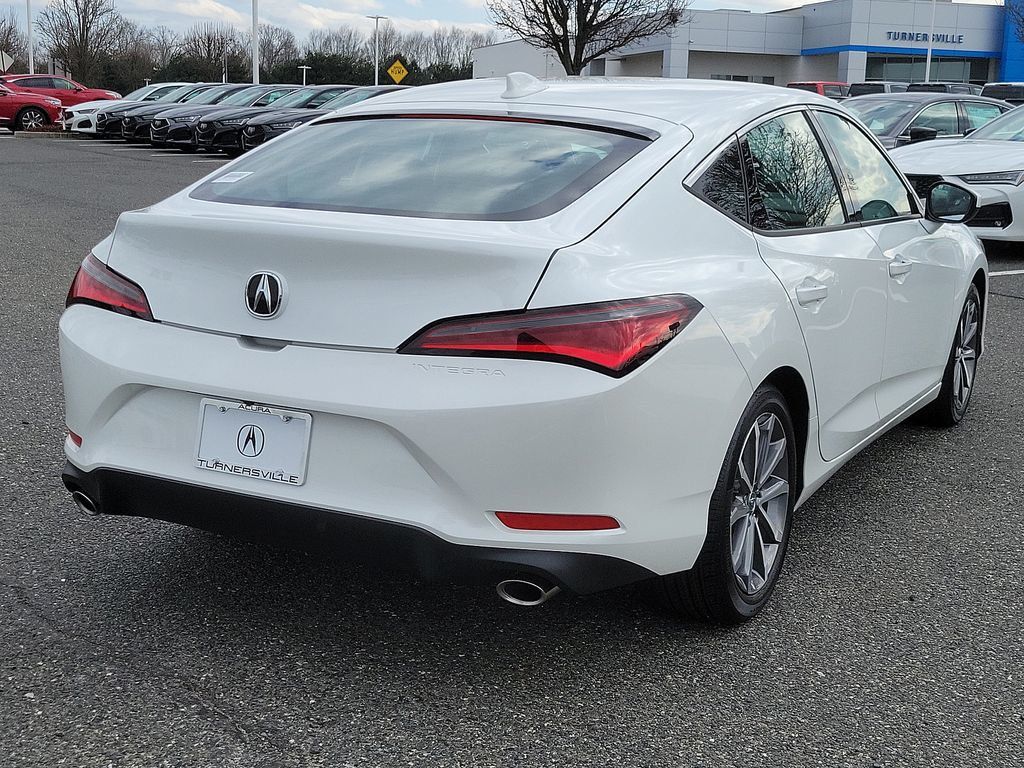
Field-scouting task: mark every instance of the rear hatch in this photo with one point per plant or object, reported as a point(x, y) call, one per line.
point(378, 227)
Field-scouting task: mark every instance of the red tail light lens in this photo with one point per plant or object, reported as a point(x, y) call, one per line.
point(612, 337)
point(100, 286)
point(540, 521)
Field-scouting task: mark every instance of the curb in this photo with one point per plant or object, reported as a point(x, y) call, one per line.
point(43, 135)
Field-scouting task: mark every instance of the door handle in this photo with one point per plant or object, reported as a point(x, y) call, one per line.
point(809, 294)
point(899, 267)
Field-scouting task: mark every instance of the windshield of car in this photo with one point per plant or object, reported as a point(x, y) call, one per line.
point(881, 116)
point(177, 93)
point(211, 95)
point(1009, 127)
point(432, 167)
point(140, 93)
point(296, 98)
point(244, 97)
point(349, 98)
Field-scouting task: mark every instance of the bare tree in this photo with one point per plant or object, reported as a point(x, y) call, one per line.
point(277, 45)
point(390, 41)
point(416, 45)
point(579, 31)
point(78, 33)
point(212, 47)
point(12, 40)
point(344, 41)
point(445, 45)
point(163, 42)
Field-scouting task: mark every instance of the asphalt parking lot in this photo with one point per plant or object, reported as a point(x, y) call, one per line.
point(893, 639)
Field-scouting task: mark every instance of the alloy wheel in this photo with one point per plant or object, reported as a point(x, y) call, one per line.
point(965, 355)
point(32, 118)
point(760, 505)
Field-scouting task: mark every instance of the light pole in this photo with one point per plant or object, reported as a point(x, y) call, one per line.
point(928, 58)
point(304, 69)
point(376, 47)
point(255, 42)
point(28, 18)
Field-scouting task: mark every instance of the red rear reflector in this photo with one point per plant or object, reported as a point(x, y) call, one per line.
point(76, 439)
point(613, 337)
point(539, 521)
point(100, 286)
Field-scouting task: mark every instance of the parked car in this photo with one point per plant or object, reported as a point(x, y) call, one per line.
point(267, 125)
point(81, 117)
point(136, 124)
point(21, 111)
point(876, 86)
point(906, 118)
point(934, 87)
point(67, 92)
point(823, 88)
point(108, 119)
point(222, 130)
point(501, 337)
point(990, 162)
point(1009, 92)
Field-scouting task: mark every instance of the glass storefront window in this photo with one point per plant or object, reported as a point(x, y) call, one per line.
point(911, 69)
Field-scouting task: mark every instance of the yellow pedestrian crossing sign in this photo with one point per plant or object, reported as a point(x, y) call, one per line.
point(397, 71)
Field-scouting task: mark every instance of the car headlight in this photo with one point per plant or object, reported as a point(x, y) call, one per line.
point(54, 102)
point(231, 122)
point(998, 177)
point(286, 125)
point(186, 119)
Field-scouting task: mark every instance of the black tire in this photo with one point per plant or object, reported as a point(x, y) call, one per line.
point(950, 407)
point(31, 117)
point(711, 591)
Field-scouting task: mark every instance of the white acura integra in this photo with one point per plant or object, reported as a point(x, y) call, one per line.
point(566, 334)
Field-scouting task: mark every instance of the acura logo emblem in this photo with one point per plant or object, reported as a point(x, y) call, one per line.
point(250, 441)
point(264, 294)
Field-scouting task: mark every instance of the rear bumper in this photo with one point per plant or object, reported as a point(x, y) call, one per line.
point(362, 539)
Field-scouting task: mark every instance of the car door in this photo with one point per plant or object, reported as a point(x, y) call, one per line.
point(941, 116)
point(923, 265)
point(976, 114)
point(831, 269)
point(7, 106)
point(68, 93)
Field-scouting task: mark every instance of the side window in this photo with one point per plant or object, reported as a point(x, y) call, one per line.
point(941, 117)
point(35, 82)
point(722, 184)
point(793, 186)
point(979, 113)
point(62, 84)
point(834, 91)
point(874, 187)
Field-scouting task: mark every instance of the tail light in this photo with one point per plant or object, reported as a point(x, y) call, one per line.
point(100, 286)
point(542, 521)
point(612, 337)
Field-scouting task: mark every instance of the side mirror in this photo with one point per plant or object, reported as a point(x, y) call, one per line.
point(78, 90)
point(949, 204)
point(922, 133)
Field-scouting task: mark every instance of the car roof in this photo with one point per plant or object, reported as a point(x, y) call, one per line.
point(679, 101)
point(922, 97)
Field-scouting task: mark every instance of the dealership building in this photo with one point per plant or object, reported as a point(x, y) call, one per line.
point(842, 40)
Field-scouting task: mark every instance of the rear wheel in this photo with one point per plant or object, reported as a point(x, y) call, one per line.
point(748, 521)
point(31, 117)
point(950, 406)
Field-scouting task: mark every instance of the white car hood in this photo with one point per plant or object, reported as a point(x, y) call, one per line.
point(956, 158)
point(88, 105)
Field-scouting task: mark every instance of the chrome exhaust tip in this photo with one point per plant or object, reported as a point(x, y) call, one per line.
point(526, 591)
point(85, 505)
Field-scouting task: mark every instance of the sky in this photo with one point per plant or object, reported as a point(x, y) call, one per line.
point(301, 16)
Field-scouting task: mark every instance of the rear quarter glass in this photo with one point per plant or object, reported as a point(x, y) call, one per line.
point(437, 166)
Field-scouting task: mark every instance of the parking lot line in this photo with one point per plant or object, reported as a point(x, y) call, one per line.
point(1006, 272)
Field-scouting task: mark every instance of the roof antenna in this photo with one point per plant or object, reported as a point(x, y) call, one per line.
point(519, 84)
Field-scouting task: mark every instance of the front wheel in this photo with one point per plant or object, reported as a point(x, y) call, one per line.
point(950, 406)
point(748, 520)
point(31, 117)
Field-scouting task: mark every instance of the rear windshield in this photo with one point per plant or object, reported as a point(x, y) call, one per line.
point(812, 87)
point(928, 87)
point(862, 89)
point(1013, 93)
point(444, 167)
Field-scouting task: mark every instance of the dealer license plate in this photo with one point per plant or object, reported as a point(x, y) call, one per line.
point(253, 440)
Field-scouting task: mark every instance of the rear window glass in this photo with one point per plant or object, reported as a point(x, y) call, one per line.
point(1013, 93)
point(433, 167)
point(862, 89)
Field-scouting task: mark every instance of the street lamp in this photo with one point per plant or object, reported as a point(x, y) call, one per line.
point(28, 15)
point(928, 58)
point(376, 47)
point(255, 42)
point(304, 69)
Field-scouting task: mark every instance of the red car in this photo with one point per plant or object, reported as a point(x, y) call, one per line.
point(21, 111)
point(823, 88)
point(68, 92)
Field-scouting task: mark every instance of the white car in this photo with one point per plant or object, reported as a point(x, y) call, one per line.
point(500, 327)
point(81, 118)
point(990, 163)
